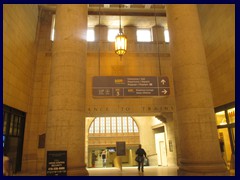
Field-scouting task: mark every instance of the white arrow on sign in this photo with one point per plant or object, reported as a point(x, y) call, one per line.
point(164, 91)
point(163, 81)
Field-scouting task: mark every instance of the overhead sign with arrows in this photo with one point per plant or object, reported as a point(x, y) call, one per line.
point(164, 88)
point(132, 86)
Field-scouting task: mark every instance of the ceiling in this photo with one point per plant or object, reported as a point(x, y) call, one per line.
point(139, 15)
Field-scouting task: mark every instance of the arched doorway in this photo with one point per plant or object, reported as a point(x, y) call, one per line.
point(104, 132)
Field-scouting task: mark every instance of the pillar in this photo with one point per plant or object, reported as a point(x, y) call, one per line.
point(131, 33)
point(158, 34)
point(102, 35)
point(199, 146)
point(66, 110)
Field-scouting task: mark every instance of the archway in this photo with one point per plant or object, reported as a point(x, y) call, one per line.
point(104, 132)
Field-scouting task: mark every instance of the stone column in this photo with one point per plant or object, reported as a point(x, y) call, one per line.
point(66, 114)
point(199, 146)
point(102, 35)
point(131, 33)
point(158, 34)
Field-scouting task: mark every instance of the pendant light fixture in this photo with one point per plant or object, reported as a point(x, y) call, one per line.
point(121, 39)
point(99, 43)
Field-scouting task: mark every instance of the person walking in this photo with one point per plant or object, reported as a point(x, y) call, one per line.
point(104, 158)
point(94, 158)
point(140, 157)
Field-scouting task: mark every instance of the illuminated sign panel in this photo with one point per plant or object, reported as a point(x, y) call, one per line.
point(134, 86)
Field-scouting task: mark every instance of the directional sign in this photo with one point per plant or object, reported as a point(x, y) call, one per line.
point(163, 81)
point(133, 86)
point(164, 91)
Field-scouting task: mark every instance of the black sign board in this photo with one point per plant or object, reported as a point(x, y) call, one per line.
point(41, 141)
point(121, 148)
point(122, 86)
point(56, 163)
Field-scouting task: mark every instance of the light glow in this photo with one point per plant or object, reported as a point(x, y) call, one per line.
point(120, 44)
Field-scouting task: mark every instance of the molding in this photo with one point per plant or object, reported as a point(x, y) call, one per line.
point(149, 48)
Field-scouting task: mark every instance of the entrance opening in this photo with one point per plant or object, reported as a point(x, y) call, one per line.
point(155, 136)
point(225, 118)
point(103, 134)
point(13, 133)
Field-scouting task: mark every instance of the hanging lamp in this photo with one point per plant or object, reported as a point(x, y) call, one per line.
point(120, 40)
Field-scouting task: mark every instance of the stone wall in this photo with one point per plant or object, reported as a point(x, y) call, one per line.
point(19, 54)
point(218, 29)
point(33, 157)
point(20, 27)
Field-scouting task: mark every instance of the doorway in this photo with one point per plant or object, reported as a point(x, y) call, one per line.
point(13, 133)
point(161, 149)
point(225, 119)
point(104, 132)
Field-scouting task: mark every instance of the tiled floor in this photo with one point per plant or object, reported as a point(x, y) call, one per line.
point(132, 171)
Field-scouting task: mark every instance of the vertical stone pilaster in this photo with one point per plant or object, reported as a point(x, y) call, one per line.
point(131, 33)
point(199, 146)
point(158, 34)
point(102, 35)
point(66, 114)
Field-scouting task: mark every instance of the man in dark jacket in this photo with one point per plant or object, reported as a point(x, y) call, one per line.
point(140, 156)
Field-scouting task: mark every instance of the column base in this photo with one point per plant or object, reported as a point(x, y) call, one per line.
point(203, 169)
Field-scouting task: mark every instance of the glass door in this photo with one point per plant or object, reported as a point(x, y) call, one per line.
point(13, 133)
point(226, 134)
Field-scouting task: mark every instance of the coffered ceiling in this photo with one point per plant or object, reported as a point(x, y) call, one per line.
point(140, 15)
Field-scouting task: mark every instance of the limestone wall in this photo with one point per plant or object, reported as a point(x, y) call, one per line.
point(33, 157)
point(142, 60)
point(19, 53)
point(20, 26)
point(218, 29)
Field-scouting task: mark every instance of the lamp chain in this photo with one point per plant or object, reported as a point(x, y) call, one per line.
point(157, 41)
point(99, 41)
point(120, 29)
point(120, 39)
